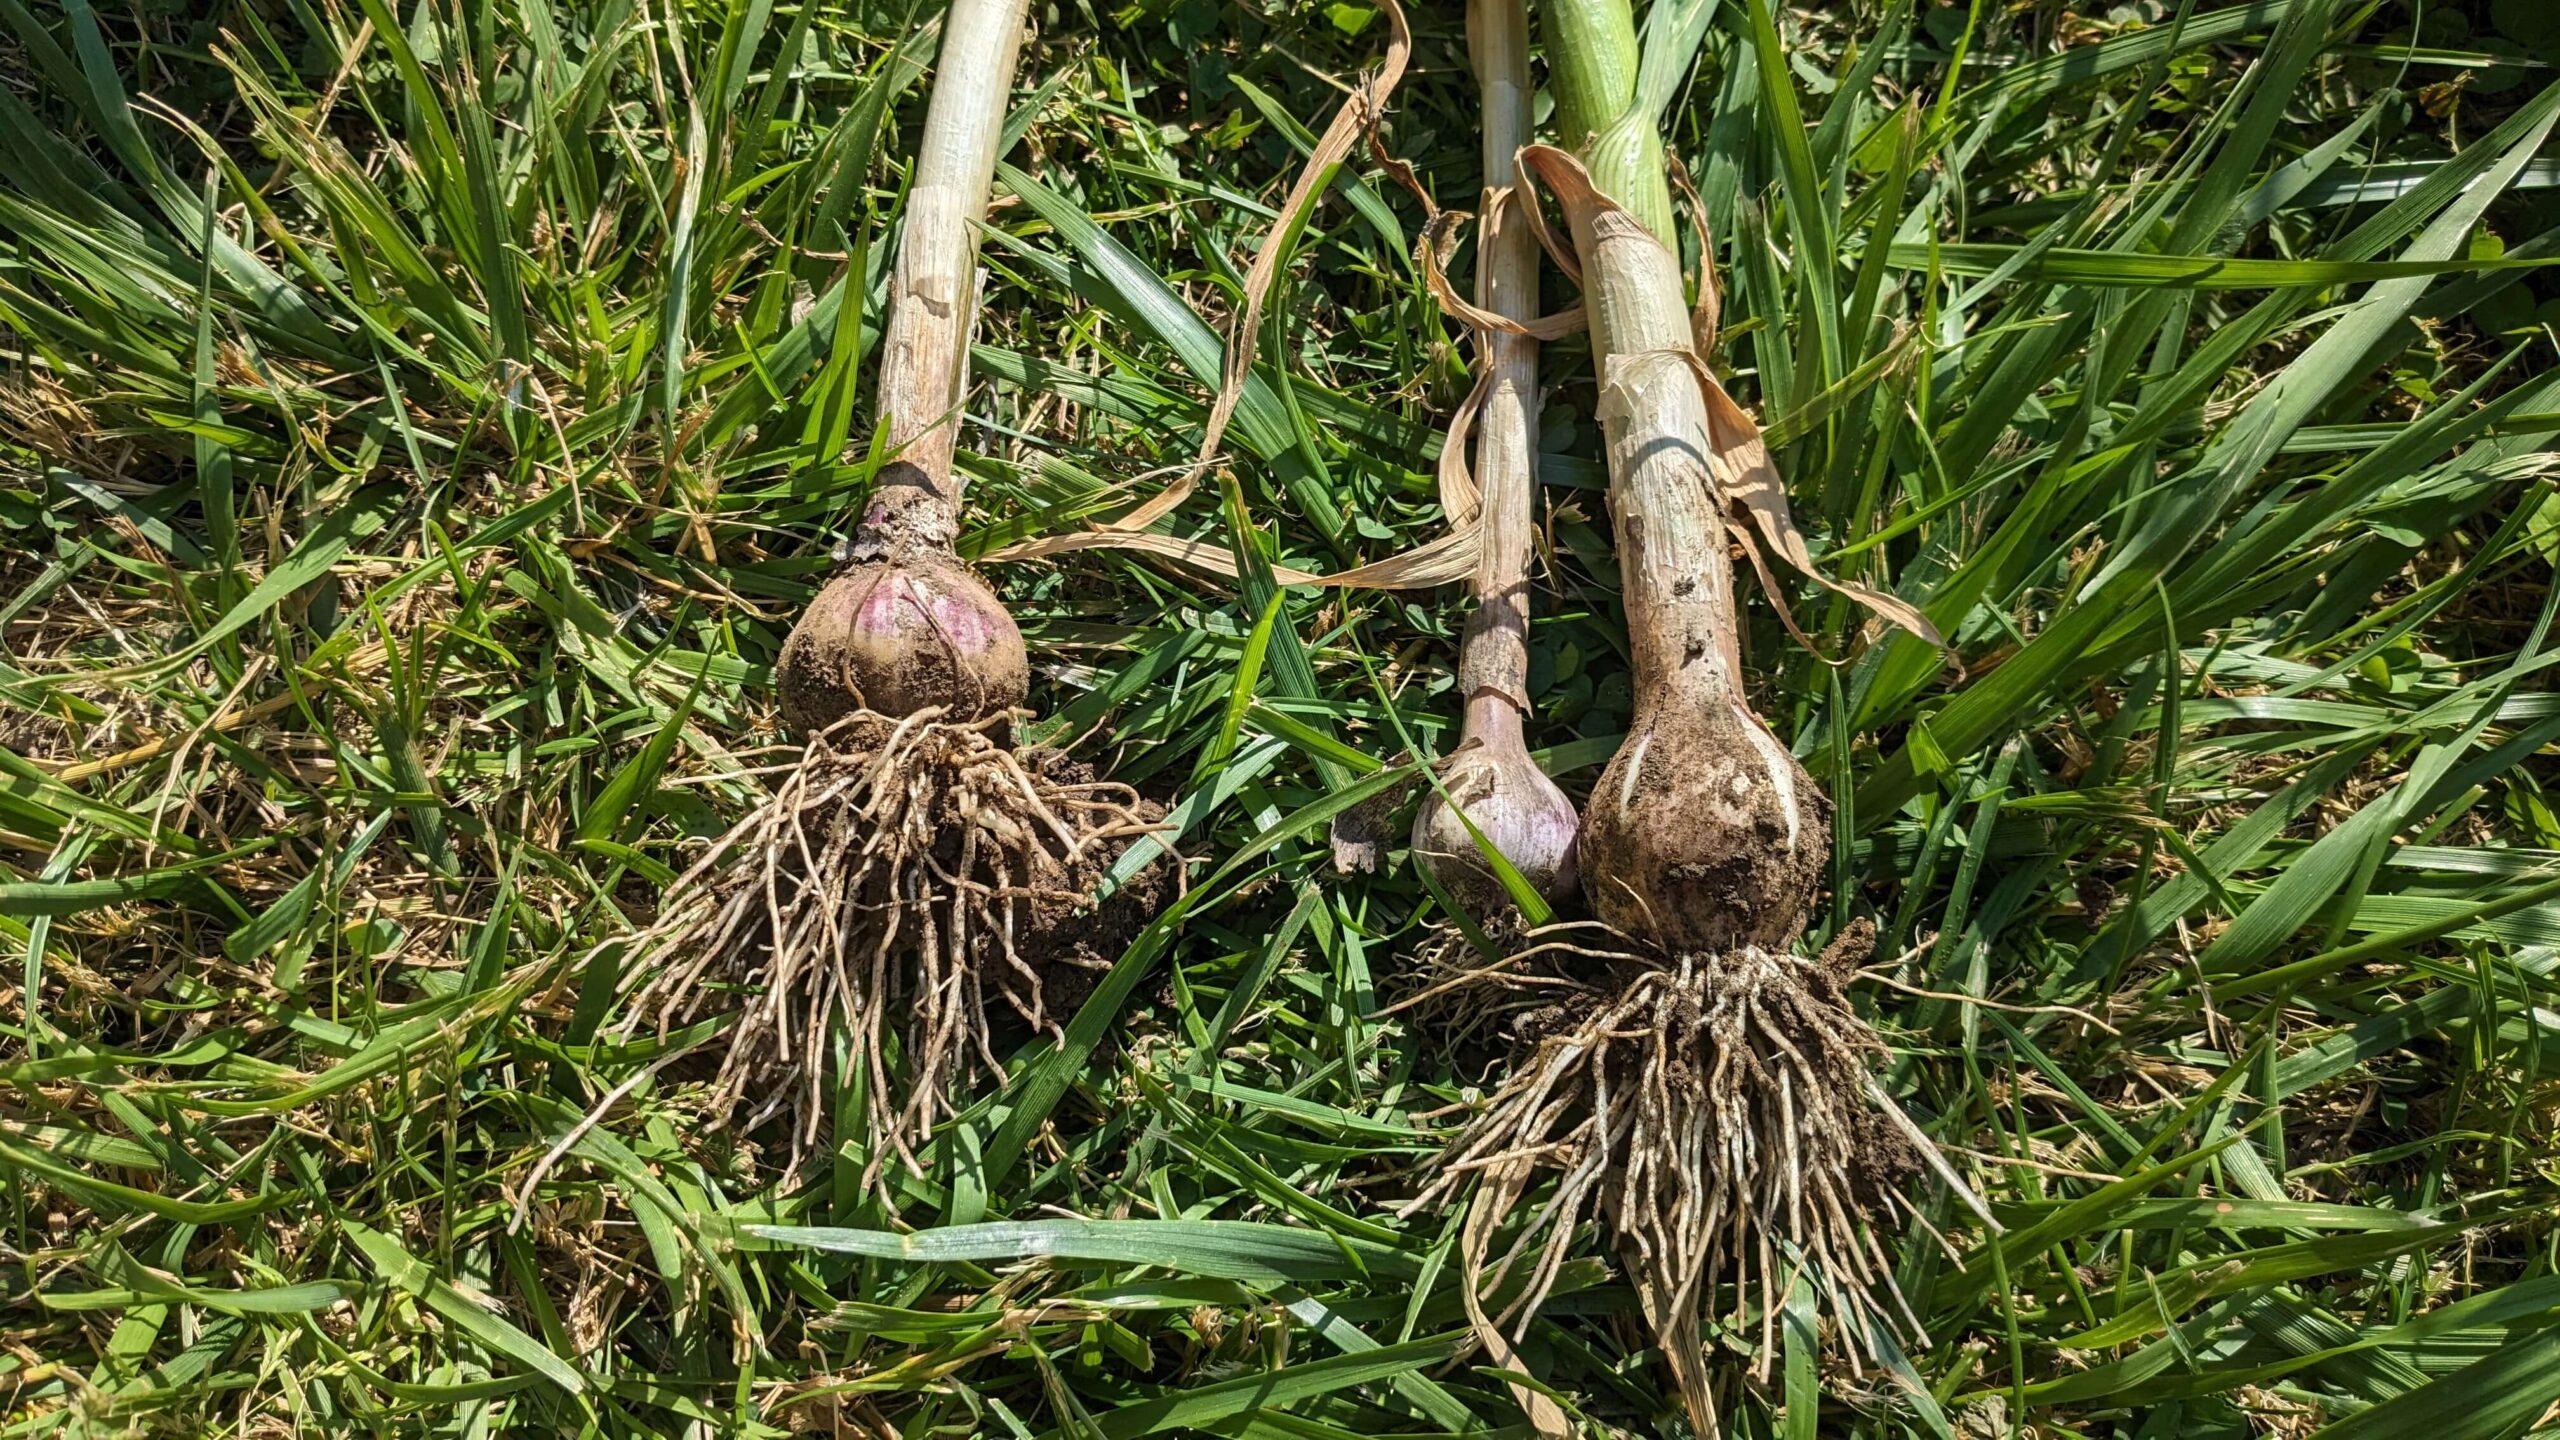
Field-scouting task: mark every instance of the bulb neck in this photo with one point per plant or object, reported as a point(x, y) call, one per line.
point(912, 513)
point(1675, 571)
point(1492, 721)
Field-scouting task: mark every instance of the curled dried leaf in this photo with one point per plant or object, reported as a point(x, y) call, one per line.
point(1748, 479)
point(1431, 253)
point(1449, 558)
point(1358, 115)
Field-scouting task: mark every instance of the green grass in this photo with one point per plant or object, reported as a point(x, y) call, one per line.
point(418, 427)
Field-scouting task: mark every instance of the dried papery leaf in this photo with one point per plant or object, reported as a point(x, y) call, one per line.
point(1399, 171)
point(1709, 308)
point(1451, 557)
point(1747, 478)
point(1777, 597)
point(1431, 253)
point(1460, 498)
point(1559, 248)
point(1358, 114)
point(1459, 495)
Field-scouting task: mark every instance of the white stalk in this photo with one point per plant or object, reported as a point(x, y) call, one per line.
point(924, 362)
point(1704, 835)
point(1494, 661)
point(1492, 792)
point(1678, 577)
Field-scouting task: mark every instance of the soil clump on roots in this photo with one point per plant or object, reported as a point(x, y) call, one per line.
point(909, 884)
point(1715, 1113)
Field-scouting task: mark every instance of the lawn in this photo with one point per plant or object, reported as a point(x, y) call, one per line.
point(419, 428)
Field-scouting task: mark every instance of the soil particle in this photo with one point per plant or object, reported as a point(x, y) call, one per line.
point(1070, 939)
point(1838, 963)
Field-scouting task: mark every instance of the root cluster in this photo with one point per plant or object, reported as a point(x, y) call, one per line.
point(902, 877)
point(1715, 1113)
point(1449, 990)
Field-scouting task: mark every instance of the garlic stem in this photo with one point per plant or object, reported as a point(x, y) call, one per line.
point(924, 362)
point(1677, 575)
point(1493, 670)
point(1491, 792)
point(1593, 58)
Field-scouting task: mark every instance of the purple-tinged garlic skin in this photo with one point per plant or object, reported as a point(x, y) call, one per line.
point(898, 636)
point(1705, 835)
point(1509, 799)
point(1519, 811)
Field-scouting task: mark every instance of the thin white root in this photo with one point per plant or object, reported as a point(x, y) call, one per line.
point(902, 871)
point(1452, 991)
point(1716, 1115)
